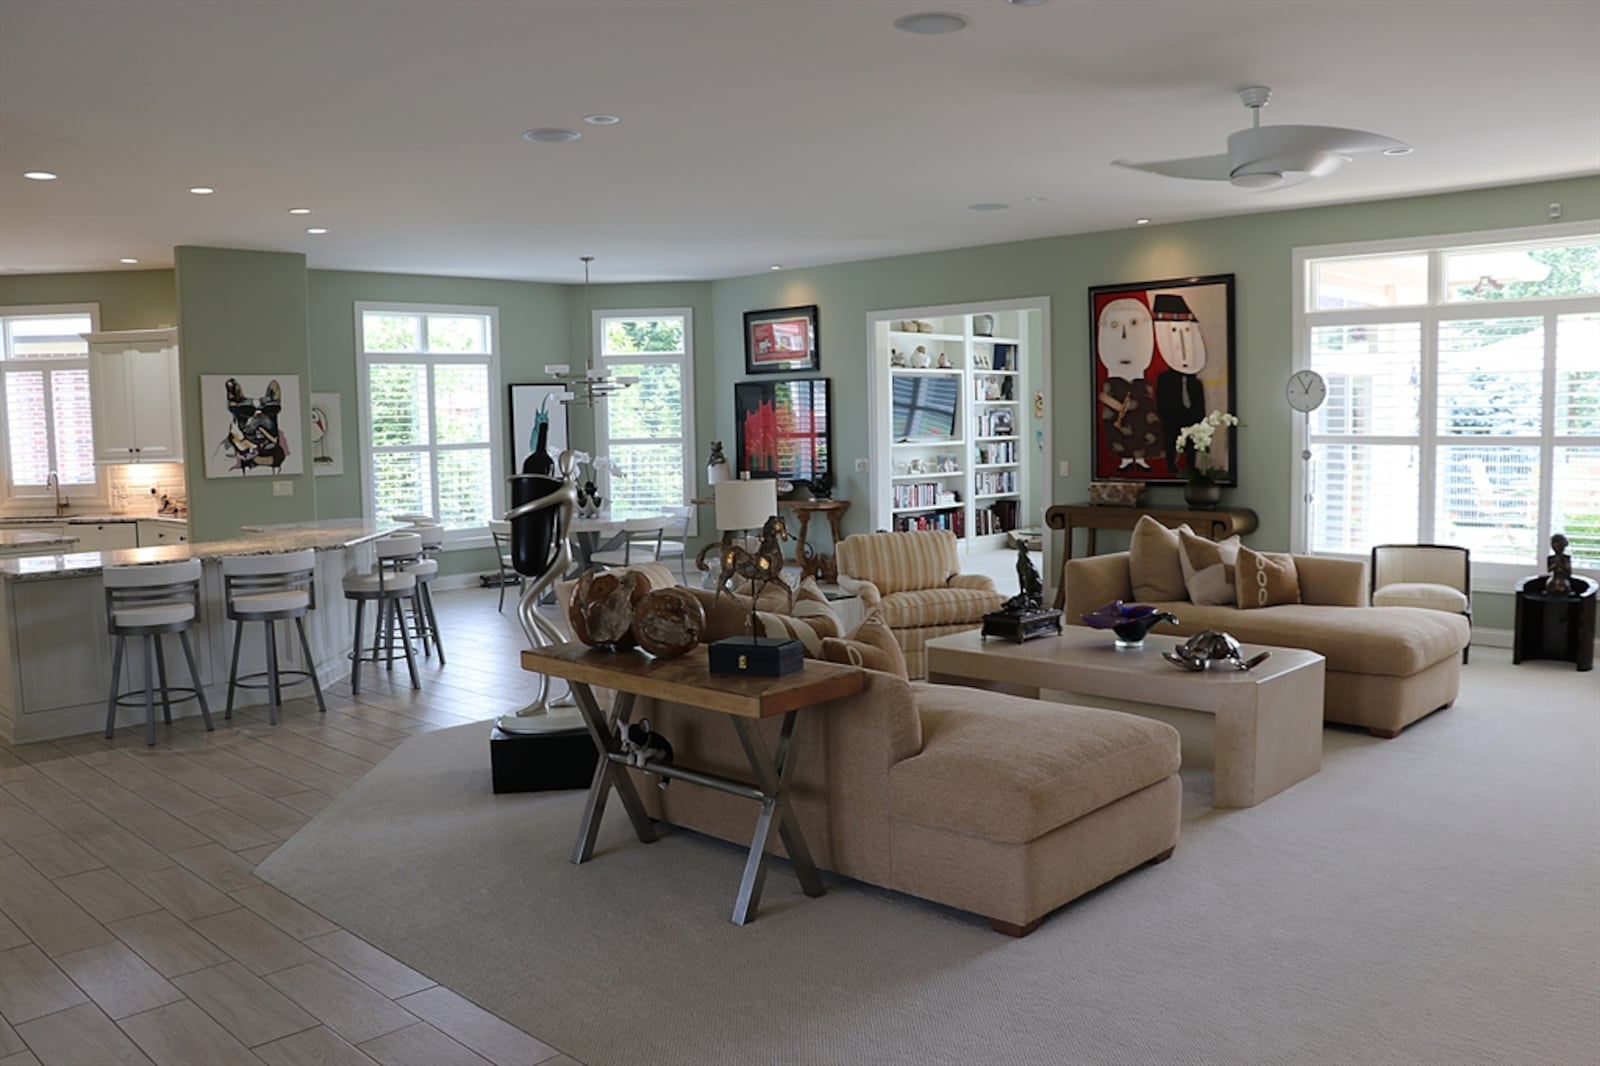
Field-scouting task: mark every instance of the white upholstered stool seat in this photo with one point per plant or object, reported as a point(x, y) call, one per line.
point(422, 570)
point(149, 602)
point(271, 589)
point(392, 584)
point(423, 618)
point(387, 584)
point(1422, 594)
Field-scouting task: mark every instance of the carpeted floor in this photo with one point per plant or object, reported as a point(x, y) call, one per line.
point(1429, 900)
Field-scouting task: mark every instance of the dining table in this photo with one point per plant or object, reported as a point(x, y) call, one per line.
point(606, 530)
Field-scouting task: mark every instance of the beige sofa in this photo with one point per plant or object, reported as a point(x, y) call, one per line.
point(1387, 666)
point(1004, 806)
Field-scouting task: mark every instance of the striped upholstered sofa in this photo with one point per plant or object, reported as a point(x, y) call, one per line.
point(915, 580)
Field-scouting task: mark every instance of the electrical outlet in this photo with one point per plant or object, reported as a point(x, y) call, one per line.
point(1065, 468)
point(283, 488)
point(861, 466)
point(1555, 210)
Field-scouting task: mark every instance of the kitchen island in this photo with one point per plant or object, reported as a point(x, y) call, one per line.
point(55, 653)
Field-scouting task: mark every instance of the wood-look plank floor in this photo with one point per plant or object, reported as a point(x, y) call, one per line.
point(133, 928)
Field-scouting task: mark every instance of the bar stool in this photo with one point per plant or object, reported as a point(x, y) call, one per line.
point(268, 589)
point(147, 602)
point(388, 584)
point(424, 621)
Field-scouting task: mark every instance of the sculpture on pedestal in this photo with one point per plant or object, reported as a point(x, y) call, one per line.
point(540, 517)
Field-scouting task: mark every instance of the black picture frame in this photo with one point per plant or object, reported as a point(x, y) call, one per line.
point(523, 400)
point(784, 429)
point(1155, 321)
point(782, 340)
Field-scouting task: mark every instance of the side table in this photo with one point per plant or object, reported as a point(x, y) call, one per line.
point(1555, 627)
point(743, 700)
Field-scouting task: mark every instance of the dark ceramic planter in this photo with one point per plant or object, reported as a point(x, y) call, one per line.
point(1202, 495)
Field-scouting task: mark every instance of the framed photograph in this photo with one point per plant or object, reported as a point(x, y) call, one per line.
point(531, 406)
point(781, 341)
point(327, 435)
point(1162, 360)
point(784, 428)
point(251, 424)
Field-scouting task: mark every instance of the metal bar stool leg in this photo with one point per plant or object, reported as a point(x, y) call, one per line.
point(355, 656)
point(116, 677)
point(273, 696)
point(405, 642)
point(161, 672)
point(433, 620)
point(194, 677)
point(233, 668)
point(419, 622)
point(387, 609)
point(311, 665)
point(149, 692)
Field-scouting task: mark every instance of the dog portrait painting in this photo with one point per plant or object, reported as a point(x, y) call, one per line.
point(251, 424)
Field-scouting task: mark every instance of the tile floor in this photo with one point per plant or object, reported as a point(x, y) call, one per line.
point(132, 926)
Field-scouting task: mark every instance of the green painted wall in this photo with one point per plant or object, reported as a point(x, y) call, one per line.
point(128, 299)
point(241, 313)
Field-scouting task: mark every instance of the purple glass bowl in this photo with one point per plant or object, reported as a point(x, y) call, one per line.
point(1129, 621)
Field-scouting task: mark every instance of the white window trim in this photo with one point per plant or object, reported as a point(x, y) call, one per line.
point(601, 419)
point(460, 539)
point(1486, 577)
point(30, 504)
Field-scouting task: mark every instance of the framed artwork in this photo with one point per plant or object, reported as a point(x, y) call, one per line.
point(531, 405)
point(251, 424)
point(327, 435)
point(1163, 359)
point(784, 428)
point(781, 341)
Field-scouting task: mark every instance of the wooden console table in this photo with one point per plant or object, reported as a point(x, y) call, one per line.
point(1214, 524)
point(743, 699)
point(810, 562)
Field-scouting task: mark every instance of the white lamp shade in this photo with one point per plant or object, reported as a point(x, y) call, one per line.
point(745, 504)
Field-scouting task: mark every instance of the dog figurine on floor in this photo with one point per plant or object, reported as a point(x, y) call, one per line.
point(642, 745)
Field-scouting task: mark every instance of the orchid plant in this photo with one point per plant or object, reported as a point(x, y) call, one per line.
point(1195, 442)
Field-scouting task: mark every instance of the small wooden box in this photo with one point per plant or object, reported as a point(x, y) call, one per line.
point(759, 656)
point(1116, 493)
point(1023, 626)
point(541, 762)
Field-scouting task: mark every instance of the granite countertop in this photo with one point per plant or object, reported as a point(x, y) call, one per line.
point(17, 538)
point(323, 536)
point(92, 519)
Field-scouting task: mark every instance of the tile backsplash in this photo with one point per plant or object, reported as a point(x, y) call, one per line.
point(139, 488)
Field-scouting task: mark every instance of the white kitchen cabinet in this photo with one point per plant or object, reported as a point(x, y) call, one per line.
point(104, 536)
point(134, 383)
point(153, 533)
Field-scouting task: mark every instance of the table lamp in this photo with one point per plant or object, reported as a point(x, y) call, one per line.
point(744, 506)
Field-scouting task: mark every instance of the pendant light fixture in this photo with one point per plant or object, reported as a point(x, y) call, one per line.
point(591, 386)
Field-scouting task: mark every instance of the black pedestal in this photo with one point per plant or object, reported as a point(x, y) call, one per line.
point(1555, 627)
point(541, 762)
point(1022, 625)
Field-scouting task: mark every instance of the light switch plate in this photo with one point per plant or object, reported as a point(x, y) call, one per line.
point(1065, 468)
point(283, 488)
point(861, 466)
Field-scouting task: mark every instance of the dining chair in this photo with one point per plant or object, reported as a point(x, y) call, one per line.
point(641, 542)
point(501, 532)
point(677, 540)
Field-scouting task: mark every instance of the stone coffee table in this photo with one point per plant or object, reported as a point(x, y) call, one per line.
point(1268, 729)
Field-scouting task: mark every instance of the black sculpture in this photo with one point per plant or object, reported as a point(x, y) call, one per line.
point(1031, 585)
point(1559, 566)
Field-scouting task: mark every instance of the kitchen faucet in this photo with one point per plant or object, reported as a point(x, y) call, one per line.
point(53, 482)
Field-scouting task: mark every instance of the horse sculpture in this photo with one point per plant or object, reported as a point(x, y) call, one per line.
point(761, 568)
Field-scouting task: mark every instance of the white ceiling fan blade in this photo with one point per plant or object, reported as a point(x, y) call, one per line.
point(1198, 168)
point(1250, 146)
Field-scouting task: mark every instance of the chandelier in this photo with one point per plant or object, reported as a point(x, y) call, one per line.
point(591, 386)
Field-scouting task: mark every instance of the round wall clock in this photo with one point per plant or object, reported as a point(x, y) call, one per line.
point(1306, 390)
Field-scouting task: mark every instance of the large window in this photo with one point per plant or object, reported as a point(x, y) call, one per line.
point(648, 429)
point(1463, 397)
point(44, 392)
point(429, 377)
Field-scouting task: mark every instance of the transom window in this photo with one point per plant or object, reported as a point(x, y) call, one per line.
point(429, 376)
point(647, 430)
point(1463, 397)
point(44, 392)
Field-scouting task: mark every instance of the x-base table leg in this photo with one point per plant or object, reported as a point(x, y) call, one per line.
point(772, 778)
point(607, 774)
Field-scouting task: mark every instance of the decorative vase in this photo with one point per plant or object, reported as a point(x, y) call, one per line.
point(1202, 495)
point(540, 461)
point(1131, 622)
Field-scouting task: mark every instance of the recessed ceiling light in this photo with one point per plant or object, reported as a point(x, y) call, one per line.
point(601, 120)
point(1141, 222)
point(931, 22)
point(38, 175)
point(1399, 149)
point(202, 190)
point(1037, 199)
point(987, 207)
point(777, 266)
point(1027, 3)
point(299, 210)
point(317, 230)
point(128, 259)
point(551, 135)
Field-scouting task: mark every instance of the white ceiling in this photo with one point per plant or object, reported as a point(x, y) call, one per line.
point(753, 132)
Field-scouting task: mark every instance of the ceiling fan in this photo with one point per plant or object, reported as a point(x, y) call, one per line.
point(1274, 157)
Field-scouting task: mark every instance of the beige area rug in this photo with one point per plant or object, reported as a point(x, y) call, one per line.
point(1429, 900)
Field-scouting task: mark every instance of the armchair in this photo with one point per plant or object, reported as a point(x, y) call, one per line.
point(914, 580)
point(1435, 576)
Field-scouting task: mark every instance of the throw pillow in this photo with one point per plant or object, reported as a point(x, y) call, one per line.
point(871, 644)
point(1153, 564)
point(1265, 579)
point(1207, 567)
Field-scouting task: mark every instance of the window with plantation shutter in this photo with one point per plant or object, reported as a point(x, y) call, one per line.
point(647, 429)
point(429, 376)
point(1463, 398)
point(44, 394)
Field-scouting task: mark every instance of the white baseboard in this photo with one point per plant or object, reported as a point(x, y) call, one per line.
point(446, 582)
